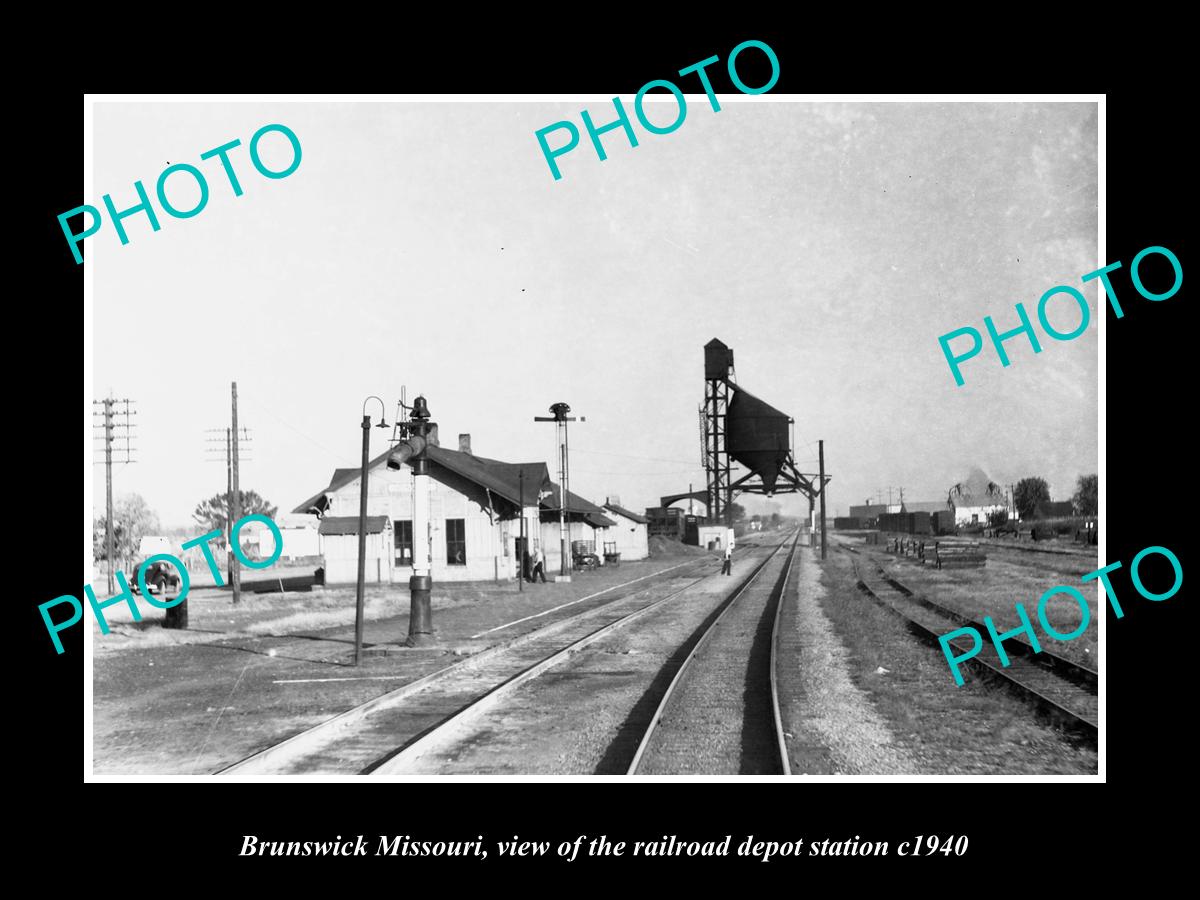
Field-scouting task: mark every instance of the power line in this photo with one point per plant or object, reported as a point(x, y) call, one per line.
point(110, 426)
point(232, 459)
point(631, 456)
point(259, 406)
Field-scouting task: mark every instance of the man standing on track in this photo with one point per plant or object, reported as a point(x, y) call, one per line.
point(726, 569)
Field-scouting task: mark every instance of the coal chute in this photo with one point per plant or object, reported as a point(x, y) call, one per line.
point(757, 436)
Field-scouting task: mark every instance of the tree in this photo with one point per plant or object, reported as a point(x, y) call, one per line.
point(738, 512)
point(133, 519)
point(1087, 497)
point(213, 513)
point(1028, 493)
point(99, 550)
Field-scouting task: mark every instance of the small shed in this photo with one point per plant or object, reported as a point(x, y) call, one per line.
point(630, 532)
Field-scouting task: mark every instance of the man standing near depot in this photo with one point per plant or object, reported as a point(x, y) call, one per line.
point(727, 567)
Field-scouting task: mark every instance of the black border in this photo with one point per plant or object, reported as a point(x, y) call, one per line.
point(1148, 489)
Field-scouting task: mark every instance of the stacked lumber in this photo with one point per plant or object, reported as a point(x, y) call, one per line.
point(956, 554)
point(907, 546)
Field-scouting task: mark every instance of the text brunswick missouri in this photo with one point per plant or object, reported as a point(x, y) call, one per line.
point(396, 846)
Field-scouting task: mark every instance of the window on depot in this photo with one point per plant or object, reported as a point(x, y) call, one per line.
point(403, 535)
point(456, 542)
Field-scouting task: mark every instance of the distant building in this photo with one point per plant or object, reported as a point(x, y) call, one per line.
point(975, 499)
point(711, 537)
point(630, 533)
point(154, 543)
point(300, 536)
point(929, 506)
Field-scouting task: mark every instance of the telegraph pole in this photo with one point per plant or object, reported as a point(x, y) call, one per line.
point(110, 426)
point(243, 438)
point(235, 508)
point(108, 517)
point(228, 504)
point(521, 530)
point(821, 461)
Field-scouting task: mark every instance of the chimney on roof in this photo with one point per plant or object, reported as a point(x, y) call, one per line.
point(464, 443)
point(612, 500)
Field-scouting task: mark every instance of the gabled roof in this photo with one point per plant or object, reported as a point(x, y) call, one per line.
point(622, 511)
point(977, 490)
point(501, 478)
point(598, 521)
point(575, 503)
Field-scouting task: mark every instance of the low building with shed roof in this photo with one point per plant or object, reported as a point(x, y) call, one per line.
point(630, 532)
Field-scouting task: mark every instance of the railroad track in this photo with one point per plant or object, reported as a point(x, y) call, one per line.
point(385, 735)
point(1062, 692)
point(720, 714)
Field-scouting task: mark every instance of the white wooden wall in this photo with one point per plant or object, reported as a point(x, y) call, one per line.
point(389, 493)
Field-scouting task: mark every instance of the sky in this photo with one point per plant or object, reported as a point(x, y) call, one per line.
point(427, 246)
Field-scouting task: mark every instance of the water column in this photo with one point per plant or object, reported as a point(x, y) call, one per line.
point(414, 451)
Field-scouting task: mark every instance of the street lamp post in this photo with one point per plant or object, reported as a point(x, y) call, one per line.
point(362, 524)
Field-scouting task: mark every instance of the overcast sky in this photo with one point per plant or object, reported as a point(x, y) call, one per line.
point(427, 245)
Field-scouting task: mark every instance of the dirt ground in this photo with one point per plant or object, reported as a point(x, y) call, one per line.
point(943, 728)
point(190, 702)
point(1009, 578)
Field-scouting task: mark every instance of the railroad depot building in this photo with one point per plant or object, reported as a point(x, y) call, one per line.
point(476, 509)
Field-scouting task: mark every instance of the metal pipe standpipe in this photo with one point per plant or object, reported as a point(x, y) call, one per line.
point(420, 585)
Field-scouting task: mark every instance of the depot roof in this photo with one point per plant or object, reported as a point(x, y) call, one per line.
point(501, 478)
point(622, 511)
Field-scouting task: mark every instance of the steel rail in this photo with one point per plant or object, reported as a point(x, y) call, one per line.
point(440, 734)
point(783, 751)
point(682, 673)
point(1077, 673)
point(1074, 723)
point(298, 745)
point(1088, 679)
